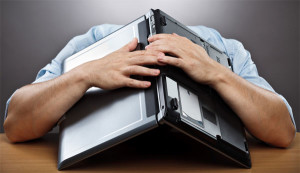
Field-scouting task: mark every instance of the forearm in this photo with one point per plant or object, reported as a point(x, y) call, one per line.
point(263, 113)
point(34, 109)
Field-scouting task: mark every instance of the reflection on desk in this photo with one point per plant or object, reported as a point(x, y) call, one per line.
point(156, 151)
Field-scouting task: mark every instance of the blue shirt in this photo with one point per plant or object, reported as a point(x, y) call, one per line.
point(240, 57)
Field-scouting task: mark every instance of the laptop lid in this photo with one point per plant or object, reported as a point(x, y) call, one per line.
point(102, 119)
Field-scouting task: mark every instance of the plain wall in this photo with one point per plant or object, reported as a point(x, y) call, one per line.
point(33, 32)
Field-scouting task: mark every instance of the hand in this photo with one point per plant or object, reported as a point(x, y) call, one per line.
point(114, 70)
point(191, 57)
point(261, 111)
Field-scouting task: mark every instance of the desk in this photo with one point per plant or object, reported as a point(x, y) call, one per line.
point(146, 154)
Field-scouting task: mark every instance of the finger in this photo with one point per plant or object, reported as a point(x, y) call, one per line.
point(133, 83)
point(159, 37)
point(141, 71)
point(144, 57)
point(166, 48)
point(130, 46)
point(142, 53)
point(157, 43)
point(177, 62)
point(178, 42)
point(144, 60)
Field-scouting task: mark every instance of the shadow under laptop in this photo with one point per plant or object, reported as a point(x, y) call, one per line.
point(160, 149)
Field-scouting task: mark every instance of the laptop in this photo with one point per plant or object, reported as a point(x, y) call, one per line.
point(102, 119)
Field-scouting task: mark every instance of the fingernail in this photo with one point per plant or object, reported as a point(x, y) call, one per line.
point(147, 84)
point(156, 72)
point(146, 47)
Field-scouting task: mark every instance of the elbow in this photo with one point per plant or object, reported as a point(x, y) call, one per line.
point(285, 143)
point(286, 139)
point(15, 130)
point(19, 131)
point(19, 125)
point(282, 129)
point(289, 138)
point(10, 124)
point(16, 134)
point(8, 129)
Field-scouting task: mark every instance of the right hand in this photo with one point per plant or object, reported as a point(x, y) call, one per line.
point(191, 58)
point(114, 70)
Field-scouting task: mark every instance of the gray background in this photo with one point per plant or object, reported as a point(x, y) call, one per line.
point(33, 32)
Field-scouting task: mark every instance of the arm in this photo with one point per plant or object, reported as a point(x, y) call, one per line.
point(262, 112)
point(34, 109)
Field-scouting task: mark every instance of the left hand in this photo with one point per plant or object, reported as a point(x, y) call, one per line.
point(191, 57)
point(262, 112)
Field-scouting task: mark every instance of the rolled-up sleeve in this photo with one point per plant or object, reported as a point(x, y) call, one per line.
point(240, 57)
point(246, 68)
point(54, 68)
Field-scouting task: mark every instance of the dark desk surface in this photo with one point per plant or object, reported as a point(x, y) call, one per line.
point(162, 153)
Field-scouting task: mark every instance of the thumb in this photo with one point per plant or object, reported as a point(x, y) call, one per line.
point(130, 46)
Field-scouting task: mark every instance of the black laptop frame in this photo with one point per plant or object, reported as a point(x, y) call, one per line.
point(230, 122)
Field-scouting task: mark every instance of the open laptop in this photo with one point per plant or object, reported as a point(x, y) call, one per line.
point(102, 119)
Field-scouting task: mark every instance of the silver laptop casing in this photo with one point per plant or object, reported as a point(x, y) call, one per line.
point(102, 119)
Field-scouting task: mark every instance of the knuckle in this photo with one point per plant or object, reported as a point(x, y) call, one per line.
point(131, 83)
point(131, 70)
point(150, 71)
point(178, 62)
point(127, 70)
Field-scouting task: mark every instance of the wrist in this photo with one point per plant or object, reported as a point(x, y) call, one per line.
point(80, 78)
point(220, 78)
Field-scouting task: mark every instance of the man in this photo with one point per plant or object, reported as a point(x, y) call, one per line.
point(265, 114)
